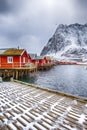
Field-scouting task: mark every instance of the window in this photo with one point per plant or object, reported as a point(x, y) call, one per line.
point(10, 59)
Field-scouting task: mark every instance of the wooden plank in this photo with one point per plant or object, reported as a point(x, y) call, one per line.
point(26, 107)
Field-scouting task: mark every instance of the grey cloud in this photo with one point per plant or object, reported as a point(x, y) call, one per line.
point(4, 6)
point(81, 6)
point(11, 6)
point(30, 23)
point(82, 3)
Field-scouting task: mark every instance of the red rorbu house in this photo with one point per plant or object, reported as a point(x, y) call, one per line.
point(32, 58)
point(44, 63)
point(40, 60)
point(48, 60)
point(13, 58)
point(36, 60)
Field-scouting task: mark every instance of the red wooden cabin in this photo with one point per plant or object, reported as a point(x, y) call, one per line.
point(13, 58)
point(29, 58)
point(37, 60)
point(47, 60)
point(40, 60)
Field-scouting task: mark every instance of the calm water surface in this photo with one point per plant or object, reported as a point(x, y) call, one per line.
point(66, 78)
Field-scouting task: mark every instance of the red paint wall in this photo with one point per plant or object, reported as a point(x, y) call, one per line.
point(4, 62)
point(25, 55)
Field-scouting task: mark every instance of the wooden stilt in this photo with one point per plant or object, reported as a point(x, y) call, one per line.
point(13, 74)
point(4, 74)
point(16, 74)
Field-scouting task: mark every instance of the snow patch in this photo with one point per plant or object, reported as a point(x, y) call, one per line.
point(69, 108)
point(66, 41)
point(86, 105)
point(81, 119)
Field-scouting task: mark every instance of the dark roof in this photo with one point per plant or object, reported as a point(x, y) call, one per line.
point(12, 52)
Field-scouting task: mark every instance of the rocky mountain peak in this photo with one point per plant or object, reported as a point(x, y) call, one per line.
point(66, 39)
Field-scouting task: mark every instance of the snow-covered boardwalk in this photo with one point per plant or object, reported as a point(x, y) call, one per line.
point(23, 107)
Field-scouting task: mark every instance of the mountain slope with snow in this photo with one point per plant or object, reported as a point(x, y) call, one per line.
point(67, 41)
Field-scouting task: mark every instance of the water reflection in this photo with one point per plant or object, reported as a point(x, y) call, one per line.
point(66, 78)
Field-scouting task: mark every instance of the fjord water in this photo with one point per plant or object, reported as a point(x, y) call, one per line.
point(65, 78)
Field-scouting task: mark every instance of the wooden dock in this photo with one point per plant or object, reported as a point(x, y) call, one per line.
point(45, 67)
point(16, 73)
point(28, 107)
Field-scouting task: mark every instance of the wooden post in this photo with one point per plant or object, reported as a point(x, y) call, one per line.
point(19, 73)
point(16, 74)
point(28, 74)
point(13, 74)
point(4, 75)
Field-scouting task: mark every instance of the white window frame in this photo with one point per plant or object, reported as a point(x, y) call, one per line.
point(10, 59)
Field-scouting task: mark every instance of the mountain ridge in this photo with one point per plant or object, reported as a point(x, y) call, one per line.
point(67, 41)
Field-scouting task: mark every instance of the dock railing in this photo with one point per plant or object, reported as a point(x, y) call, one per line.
point(13, 65)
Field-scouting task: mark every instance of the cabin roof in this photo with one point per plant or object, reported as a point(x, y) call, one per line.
point(48, 58)
point(39, 58)
point(33, 56)
point(12, 52)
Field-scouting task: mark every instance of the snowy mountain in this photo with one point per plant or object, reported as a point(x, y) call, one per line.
point(67, 41)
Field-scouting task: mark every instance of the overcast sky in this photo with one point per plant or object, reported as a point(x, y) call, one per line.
point(30, 23)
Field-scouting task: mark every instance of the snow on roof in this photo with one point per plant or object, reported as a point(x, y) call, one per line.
point(35, 57)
